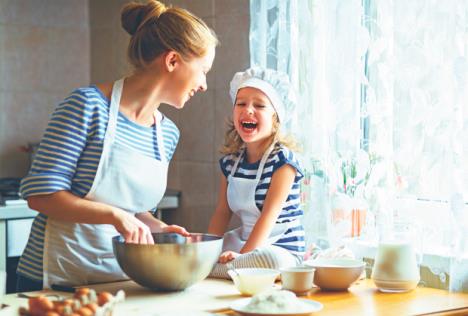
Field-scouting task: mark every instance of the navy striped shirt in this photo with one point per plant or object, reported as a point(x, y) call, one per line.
point(69, 153)
point(293, 240)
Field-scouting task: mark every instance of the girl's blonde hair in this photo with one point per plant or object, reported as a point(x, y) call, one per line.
point(233, 142)
point(155, 29)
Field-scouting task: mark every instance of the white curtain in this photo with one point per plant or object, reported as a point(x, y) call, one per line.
point(382, 93)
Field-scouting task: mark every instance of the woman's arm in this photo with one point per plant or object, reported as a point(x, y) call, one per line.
point(65, 206)
point(222, 215)
point(157, 226)
point(280, 186)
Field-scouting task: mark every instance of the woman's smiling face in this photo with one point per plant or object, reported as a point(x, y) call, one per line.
point(253, 115)
point(190, 78)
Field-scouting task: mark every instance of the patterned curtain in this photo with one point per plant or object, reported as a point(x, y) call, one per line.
point(381, 114)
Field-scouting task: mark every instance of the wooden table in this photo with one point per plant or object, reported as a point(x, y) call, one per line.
point(363, 298)
point(216, 295)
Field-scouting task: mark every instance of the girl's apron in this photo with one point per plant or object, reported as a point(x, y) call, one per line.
point(241, 201)
point(78, 254)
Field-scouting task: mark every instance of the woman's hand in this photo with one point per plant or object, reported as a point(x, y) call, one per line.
point(157, 226)
point(228, 256)
point(176, 229)
point(132, 229)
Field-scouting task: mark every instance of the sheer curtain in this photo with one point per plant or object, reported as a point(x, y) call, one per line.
point(384, 80)
point(324, 64)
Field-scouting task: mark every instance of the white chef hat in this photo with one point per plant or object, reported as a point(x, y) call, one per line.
point(275, 84)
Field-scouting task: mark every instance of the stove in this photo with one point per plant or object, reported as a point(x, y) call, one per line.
point(9, 192)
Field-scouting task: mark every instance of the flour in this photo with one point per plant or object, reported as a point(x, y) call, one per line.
point(275, 301)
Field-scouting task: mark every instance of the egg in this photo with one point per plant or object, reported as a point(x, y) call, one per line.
point(104, 297)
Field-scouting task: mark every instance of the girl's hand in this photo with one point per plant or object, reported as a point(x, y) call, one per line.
point(228, 256)
point(132, 229)
point(176, 229)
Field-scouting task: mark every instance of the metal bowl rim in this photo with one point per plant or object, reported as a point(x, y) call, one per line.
point(118, 240)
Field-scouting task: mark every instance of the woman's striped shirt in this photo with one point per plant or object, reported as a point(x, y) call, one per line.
point(294, 240)
point(69, 153)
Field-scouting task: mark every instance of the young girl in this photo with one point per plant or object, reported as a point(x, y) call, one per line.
point(260, 180)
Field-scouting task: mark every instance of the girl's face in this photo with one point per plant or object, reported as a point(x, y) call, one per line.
point(190, 78)
point(253, 115)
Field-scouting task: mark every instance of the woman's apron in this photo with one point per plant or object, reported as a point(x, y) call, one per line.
point(78, 254)
point(241, 201)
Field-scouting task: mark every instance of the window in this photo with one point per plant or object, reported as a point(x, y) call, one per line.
point(389, 78)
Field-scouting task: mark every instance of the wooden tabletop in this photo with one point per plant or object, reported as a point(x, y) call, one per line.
point(217, 295)
point(363, 298)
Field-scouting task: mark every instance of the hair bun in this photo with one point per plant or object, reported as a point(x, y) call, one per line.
point(135, 15)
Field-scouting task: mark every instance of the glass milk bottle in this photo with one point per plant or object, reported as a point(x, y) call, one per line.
point(396, 267)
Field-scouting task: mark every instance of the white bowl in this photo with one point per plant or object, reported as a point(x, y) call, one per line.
point(250, 281)
point(297, 279)
point(336, 274)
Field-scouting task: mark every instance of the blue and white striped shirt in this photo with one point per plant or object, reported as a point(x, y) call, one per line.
point(294, 240)
point(69, 154)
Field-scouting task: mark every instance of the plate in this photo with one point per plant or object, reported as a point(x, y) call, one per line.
point(311, 306)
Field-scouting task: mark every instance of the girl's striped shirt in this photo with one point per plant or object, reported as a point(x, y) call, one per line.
point(69, 153)
point(294, 240)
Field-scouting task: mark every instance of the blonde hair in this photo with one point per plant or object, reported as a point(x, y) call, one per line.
point(155, 29)
point(233, 142)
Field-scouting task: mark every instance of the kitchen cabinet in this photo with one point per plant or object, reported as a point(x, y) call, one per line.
point(15, 224)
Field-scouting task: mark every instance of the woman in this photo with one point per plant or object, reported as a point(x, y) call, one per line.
point(102, 163)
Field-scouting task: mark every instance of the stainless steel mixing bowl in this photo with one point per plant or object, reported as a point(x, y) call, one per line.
point(173, 263)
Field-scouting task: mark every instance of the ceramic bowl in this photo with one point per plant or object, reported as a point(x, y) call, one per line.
point(336, 274)
point(250, 281)
point(173, 263)
point(299, 280)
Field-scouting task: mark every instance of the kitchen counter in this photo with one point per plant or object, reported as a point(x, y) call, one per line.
point(169, 200)
point(20, 209)
point(216, 295)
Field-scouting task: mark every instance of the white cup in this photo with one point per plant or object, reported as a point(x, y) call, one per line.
point(299, 280)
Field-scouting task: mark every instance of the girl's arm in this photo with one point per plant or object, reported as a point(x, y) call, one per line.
point(280, 186)
point(222, 215)
point(157, 226)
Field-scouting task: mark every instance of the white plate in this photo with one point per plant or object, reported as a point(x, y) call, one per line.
point(311, 306)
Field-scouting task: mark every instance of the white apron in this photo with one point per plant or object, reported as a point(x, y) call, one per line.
point(79, 254)
point(241, 201)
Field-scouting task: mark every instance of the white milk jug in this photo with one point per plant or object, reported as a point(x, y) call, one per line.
point(396, 266)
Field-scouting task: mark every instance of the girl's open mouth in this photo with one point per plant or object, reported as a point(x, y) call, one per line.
point(249, 126)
